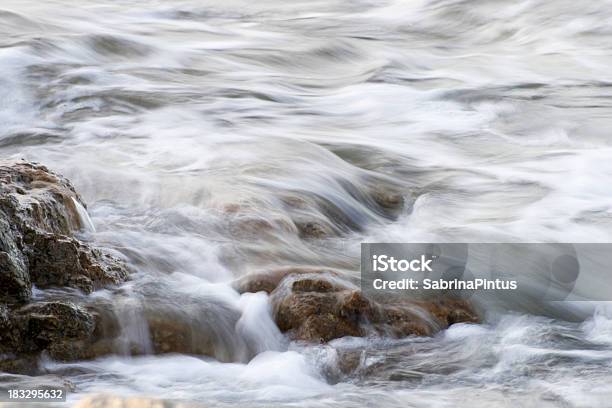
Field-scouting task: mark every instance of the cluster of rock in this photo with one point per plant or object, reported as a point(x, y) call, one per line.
point(39, 217)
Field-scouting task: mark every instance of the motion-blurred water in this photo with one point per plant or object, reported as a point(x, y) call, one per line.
point(202, 134)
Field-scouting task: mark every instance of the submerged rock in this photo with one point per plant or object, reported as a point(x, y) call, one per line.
point(39, 216)
point(319, 306)
point(318, 217)
point(206, 329)
point(268, 281)
point(158, 316)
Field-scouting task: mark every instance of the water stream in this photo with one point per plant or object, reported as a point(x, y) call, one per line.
point(202, 134)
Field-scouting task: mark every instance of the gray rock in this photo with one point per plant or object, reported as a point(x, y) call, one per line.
point(56, 327)
point(39, 218)
point(15, 284)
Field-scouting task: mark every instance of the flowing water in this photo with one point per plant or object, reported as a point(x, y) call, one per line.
point(201, 133)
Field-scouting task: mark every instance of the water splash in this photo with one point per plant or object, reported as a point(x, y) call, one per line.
point(85, 221)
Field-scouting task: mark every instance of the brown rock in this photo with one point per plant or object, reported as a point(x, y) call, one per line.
point(38, 198)
point(311, 229)
point(191, 326)
point(390, 201)
point(315, 316)
point(10, 335)
point(60, 328)
point(319, 306)
point(23, 364)
point(267, 281)
point(64, 261)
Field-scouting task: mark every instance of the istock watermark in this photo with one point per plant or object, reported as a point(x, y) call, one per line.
point(383, 263)
point(542, 271)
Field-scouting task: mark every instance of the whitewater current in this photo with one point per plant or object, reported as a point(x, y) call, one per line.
point(188, 126)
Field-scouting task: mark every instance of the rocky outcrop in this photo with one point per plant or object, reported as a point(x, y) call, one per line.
point(40, 214)
point(319, 306)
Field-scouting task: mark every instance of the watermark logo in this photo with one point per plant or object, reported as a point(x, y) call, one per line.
point(383, 263)
point(536, 271)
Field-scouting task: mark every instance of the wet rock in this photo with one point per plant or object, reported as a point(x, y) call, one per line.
point(39, 217)
point(404, 320)
point(10, 335)
point(267, 281)
point(451, 310)
point(332, 218)
point(173, 331)
point(258, 282)
point(311, 229)
point(313, 308)
point(317, 316)
point(15, 284)
point(318, 306)
point(61, 329)
point(170, 319)
point(349, 205)
point(64, 261)
point(207, 330)
point(23, 364)
point(390, 200)
point(318, 217)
